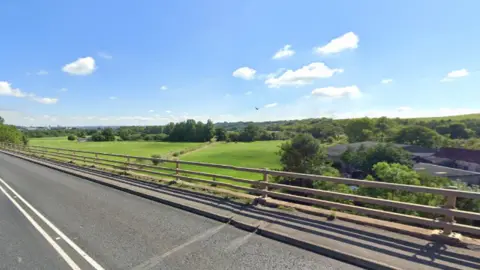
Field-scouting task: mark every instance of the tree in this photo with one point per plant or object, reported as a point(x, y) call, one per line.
point(250, 133)
point(108, 134)
point(10, 134)
point(2, 121)
point(124, 134)
point(399, 174)
point(304, 154)
point(233, 136)
point(364, 159)
point(359, 130)
point(169, 128)
point(208, 131)
point(98, 137)
point(71, 137)
point(221, 134)
point(325, 130)
point(418, 135)
point(455, 130)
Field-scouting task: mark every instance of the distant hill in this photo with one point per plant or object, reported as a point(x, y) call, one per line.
point(453, 117)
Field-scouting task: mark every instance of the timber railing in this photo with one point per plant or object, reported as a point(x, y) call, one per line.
point(169, 169)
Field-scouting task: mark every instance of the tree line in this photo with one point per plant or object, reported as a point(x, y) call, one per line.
point(431, 133)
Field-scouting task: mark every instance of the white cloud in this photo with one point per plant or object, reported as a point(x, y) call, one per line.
point(305, 75)
point(271, 105)
point(151, 111)
point(7, 90)
point(347, 41)
point(455, 74)
point(386, 81)
point(338, 92)
point(164, 87)
point(113, 98)
point(169, 112)
point(42, 72)
point(105, 55)
point(44, 100)
point(82, 66)
point(285, 52)
point(245, 73)
point(63, 89)
point(404, 109)
point(248, 93)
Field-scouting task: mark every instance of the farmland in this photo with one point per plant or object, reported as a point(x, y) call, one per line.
point(145, 149)
point(261, 154)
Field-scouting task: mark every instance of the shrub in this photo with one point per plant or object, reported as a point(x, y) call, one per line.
point(156, 159)
point(71, 137)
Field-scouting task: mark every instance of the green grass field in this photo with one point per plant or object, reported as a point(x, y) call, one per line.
point(253, 155)
point(145, 149)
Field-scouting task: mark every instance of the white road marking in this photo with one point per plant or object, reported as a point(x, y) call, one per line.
point(57, 248)
point(152, 263)
point(82, 253)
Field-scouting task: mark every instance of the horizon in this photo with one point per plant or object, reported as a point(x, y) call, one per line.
point(222, 60)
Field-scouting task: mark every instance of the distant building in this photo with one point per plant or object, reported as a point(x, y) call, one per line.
point(82, 139)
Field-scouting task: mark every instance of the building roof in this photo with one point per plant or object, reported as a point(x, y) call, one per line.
point(459, 154)
point(442, 171)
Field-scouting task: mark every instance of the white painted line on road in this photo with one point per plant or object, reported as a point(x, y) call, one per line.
point(82, 253)
point(152, 263)
point(47, 237)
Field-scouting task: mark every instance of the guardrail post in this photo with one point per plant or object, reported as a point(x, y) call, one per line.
point(265, 180)
point(177, 166)
point(450, 204)
point(127, 164)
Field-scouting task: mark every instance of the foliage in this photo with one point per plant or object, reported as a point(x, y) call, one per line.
point(304, 154)
point(10, 134)
point(359, 130)
point(221, 134)
point(71, 138)
point(156, 159)
point(401, 174)
point(418, 135)
point(250, 133)
point(364, 159)
point(190, 131)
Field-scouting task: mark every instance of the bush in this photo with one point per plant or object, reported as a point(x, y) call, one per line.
point(156, 159)
point(71, 137)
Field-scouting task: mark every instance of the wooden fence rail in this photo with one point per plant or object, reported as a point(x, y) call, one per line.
point(263, 187)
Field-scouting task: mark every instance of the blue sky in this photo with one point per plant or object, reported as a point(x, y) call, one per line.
point(152, 62)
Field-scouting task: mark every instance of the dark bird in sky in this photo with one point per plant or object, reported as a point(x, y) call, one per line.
point(256, 108)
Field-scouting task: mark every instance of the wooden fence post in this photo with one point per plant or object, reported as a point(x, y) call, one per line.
point(177, 166)
point(127, 164)
point(265, 180)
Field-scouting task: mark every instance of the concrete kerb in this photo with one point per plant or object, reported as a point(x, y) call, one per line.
point(261, 229)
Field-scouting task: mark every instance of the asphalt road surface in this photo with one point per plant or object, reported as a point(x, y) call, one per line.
point(52, 220)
